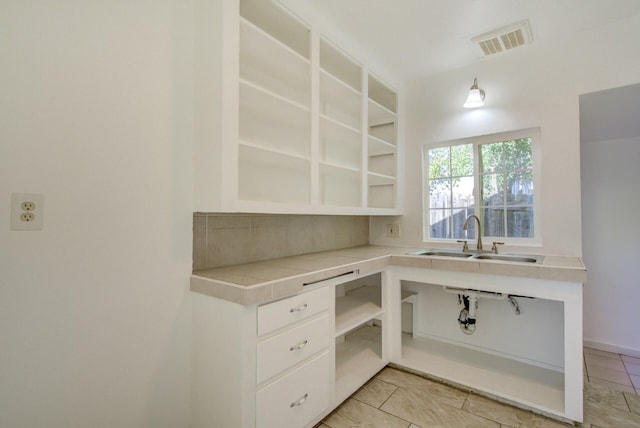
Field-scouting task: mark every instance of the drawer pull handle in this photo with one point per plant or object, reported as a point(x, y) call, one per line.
point(299, 346)
point(300, 401)
point(299, 308)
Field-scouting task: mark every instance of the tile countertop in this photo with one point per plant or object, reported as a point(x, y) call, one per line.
point(265, 281)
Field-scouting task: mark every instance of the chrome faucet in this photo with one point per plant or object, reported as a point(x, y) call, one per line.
point(478, 231)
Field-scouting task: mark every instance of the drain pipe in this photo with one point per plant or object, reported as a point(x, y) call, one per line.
point(467, 316)
point(470, 298)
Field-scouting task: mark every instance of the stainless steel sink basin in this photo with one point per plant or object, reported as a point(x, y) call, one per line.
point(516, 258)
point(510, 258)
point(442, 253)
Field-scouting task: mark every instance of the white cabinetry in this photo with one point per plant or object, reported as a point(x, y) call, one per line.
point(298, 398)
point(265, 366)
point(286, 122)
point(288, 363)
point(292, 363)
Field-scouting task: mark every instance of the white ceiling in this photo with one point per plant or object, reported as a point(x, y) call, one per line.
point(418, 38)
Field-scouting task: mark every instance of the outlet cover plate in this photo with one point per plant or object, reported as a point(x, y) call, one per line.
point(34, 206)
point(393, 230)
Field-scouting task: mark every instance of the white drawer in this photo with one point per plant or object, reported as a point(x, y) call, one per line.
point(296, 399)
point(284, 312)
point(291, 347)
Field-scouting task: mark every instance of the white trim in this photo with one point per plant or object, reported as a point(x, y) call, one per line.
point(611, 348)
point(534, 134)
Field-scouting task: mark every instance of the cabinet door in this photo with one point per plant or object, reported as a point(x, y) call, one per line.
point(297, 398)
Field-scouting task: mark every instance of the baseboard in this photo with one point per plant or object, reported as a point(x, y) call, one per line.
point(611, 348)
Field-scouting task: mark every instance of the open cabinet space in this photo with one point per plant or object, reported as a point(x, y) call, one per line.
point(358, 358)
point(498, 376)
point(493, 335)
point(512, 349)
point(358, 330)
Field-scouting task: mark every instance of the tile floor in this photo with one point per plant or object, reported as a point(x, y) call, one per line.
point(615, 371)
point(394, 398)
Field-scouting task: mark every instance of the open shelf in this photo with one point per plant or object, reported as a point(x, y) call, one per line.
point(357, 307)
point(384, 133)
point(273, 66)
point(358, 358)
point(340, 186)
point(339, 170)
point(382, 96)
point(265, 175)
point(376, 179)
point(379, 115)
point(382, 154)
point(270, 121)
point(382, 195)
point(384, 165)
point(279, 23)
point(339, 101)
point(338, 64)
point(340, 145)
point(378, 147)
point(512, 380)
point(273, 152)
point(407, 296)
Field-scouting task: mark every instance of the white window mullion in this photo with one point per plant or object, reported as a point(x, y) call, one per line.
point(477, 173)
point(505, 216)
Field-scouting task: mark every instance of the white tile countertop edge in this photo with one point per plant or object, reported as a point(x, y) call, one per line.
point(265, 281)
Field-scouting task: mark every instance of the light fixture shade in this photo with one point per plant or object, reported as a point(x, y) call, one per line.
point(475, 97)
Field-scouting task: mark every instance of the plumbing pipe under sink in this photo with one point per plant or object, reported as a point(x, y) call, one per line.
point(469, 298)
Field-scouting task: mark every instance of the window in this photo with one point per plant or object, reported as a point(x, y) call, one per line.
point(493, 177)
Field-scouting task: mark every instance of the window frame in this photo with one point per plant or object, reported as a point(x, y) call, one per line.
point(476, 141)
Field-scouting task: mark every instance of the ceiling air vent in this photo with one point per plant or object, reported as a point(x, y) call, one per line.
point(504, 38)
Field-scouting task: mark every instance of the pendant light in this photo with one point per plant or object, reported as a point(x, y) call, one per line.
point(475, 97)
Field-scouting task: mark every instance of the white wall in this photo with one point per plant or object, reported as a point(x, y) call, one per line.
point(536, 86)
point(610, 176)
point(95, 113)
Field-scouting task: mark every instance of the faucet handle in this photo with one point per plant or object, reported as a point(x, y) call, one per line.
point(494, 247)
point(465, 247)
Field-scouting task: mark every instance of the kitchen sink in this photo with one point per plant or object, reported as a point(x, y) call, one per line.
point(442, 253)
point(510, 258)
point(516, 258)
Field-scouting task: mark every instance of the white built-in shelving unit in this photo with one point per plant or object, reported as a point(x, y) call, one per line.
point(340, 137)
point(382, 144)
point(274, 146)
point(286, 121)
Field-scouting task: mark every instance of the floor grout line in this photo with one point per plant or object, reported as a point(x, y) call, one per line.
point(390, 395)
point(612, 356)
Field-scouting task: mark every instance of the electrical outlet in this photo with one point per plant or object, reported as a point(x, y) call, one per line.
point(27, 217)
point(28, 206)
point(393, 230)
point(27, 211)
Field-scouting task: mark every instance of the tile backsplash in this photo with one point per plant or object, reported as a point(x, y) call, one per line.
point(231, 239)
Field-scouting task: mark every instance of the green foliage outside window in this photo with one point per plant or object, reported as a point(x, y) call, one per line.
point(504, 185)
